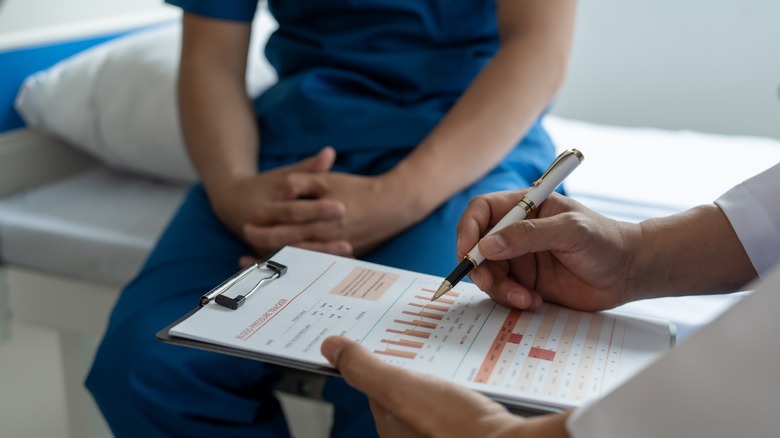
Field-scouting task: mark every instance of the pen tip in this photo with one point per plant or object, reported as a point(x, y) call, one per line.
point(443, 289)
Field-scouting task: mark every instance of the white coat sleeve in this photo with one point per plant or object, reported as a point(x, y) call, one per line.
point(753, 208)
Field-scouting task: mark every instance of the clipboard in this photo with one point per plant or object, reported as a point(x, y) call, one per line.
point(459, 338)
point(219, 296)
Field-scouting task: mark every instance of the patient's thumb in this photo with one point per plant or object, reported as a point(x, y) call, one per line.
point(321, 162)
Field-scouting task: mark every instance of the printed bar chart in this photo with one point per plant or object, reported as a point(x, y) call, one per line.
point(422, 318)
point(397, 353)
point(431, 306)
point(416, 324)
point(415, 333)
point(554, 352)
point(404, 342)
point(417, 328)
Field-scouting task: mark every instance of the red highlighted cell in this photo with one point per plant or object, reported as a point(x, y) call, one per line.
point(540, 353)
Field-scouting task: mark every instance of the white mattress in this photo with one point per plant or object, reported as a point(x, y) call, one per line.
point(636, 173)
point(100, 225)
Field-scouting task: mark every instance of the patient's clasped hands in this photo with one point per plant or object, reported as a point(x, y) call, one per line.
point(308, 205)
point(258, 209)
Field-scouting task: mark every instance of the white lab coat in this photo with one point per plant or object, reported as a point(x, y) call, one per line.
point(722, 381)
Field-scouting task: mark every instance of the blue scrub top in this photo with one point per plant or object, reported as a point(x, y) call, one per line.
point(362, 74)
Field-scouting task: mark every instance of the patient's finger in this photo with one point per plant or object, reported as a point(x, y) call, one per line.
point(336, 247)
point(298, 212)
point(303, 185)
point(277, 236)
point(322, 161)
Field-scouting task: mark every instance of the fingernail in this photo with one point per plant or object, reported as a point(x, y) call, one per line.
point(494, 244)
point(333, 210)
point(516, 299)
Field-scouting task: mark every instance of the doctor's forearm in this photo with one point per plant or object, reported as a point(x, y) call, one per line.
point(694, 252)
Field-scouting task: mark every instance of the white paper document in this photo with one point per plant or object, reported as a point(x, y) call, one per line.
point(553, 357)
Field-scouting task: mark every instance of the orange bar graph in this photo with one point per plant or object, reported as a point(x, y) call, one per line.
point(439, 301)
point(410, 332)
point(424, 324)
point(404, 343)
point(397, 353)
point(423, 314)
point(431, 307)
point(450, 293)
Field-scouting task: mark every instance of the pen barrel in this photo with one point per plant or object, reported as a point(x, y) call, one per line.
point(463, 268)
point(547, 185)
point(475, 255)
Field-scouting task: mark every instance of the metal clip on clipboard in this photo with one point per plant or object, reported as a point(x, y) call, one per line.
point(217, 294)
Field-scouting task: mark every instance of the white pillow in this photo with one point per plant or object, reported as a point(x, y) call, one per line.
point(117, 101)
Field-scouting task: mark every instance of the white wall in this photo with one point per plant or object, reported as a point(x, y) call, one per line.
point(18, 15)
point(709, 65)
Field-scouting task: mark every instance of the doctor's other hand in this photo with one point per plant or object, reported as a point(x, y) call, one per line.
point(407, 404)
point(563, 253)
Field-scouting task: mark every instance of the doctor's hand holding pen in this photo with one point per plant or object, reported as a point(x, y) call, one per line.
point(570, 255)
point(563, 252)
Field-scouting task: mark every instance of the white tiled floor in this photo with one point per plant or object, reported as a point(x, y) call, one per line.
point(32, 401)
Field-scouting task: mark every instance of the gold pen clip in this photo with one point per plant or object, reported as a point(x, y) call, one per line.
point(557, 161)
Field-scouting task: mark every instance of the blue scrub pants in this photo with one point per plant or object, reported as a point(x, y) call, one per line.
point(147, 388)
